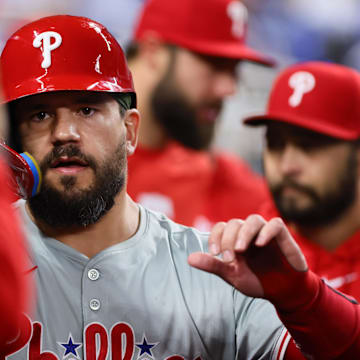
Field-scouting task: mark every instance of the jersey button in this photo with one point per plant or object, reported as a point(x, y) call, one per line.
point(94, 304)
point(93, 274)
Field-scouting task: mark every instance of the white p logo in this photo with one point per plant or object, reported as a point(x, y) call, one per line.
point(302, 82)
point(238, 14)
point(45, 39)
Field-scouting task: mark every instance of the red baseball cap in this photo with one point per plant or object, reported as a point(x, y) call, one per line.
point(210, 27)
point(322, 97)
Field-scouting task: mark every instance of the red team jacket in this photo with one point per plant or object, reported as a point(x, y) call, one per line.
point(194, 188)
point(339, 268)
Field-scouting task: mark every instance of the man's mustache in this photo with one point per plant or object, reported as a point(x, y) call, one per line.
point(288, 183)
point(68, 151)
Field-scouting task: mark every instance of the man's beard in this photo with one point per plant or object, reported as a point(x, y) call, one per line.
point(178, 117)
point(325, 209)
point(61, 209)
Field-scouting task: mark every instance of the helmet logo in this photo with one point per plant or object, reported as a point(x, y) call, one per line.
point(238, 15)
point(302, 82)
point(45, 39)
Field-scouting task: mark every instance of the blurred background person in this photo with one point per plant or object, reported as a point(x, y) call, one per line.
point(312, 166)
point(184, 61)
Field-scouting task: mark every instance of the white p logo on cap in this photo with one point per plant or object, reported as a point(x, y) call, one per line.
point(238, 14)
point(45, 39)
point(302, 82)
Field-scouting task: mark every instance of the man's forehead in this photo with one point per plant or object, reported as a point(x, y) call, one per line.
point(290, 131)
point(284, 127)
point(219, 62)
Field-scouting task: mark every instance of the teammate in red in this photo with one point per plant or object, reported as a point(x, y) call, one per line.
point(184, 61)
point(14, 282)
point(312, 166)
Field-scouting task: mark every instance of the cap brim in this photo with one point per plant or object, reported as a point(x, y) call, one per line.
point(307, 123)
point(237, 52)
point(229, 50)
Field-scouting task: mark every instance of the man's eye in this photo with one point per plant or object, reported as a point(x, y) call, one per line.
point(275, 143)
point(40, 116)
point(87, 111)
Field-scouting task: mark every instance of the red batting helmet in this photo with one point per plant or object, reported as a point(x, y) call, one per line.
point(210, 27)
point(64, 52)
point(320, 96)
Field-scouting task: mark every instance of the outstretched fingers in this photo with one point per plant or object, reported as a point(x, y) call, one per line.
point(221, 242)
point(234, 238)
point(223, 238)
point(249, 249)
point(236, 235)
point(249, 232)
point(276, 229)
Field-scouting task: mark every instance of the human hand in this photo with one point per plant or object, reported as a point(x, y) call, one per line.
point(259, 258)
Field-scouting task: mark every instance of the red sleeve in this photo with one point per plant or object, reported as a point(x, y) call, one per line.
point(293, 352)
point(14, 289)
point(324, 323)
point(327, 328)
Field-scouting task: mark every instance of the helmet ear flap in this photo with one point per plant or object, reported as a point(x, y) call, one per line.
point(13, 140)
point(133, 100)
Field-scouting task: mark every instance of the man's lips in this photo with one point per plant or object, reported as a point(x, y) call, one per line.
point(68, 162)
point(294, 191)
point(209, 114)
point(69, 165)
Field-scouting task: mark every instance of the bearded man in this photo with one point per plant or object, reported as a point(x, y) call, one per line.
point(311, 164)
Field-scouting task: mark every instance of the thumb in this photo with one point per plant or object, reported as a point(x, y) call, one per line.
point(208, 263)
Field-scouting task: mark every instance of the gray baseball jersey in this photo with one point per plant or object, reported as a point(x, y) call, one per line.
point(140, 299)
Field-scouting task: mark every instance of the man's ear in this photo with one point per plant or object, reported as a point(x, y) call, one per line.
point(155, 53)
point(132, 123)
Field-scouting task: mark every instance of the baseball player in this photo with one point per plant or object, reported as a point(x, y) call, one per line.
point(184, 59)
point(115, 280)
point(14, 283)
point(311, 165)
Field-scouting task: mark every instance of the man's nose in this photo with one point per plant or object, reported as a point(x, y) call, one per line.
point(291, 160)
point(225, 83)
point(65, 127)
